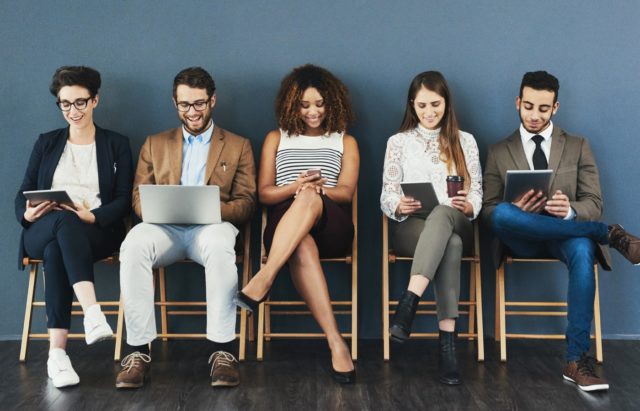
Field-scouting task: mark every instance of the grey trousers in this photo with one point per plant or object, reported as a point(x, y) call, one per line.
point(437, 244)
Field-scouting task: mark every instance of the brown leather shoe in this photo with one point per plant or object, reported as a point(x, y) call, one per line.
point(626, 244)
point(583, 374)
point(224, 370)
point(135, 366)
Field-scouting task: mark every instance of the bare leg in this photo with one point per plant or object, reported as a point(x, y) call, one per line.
point(417, 284)
point(86, 293)
point(296, 223)
point(309, 280)
point(447, 324)
point(58, 338)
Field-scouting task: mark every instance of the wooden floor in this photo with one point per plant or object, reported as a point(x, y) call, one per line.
point(295, 376)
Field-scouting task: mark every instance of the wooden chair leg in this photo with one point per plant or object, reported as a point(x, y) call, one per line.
point(243, 334)
point(478, 294)
point(354, 309)
point(503, 337)
point(385, 304)
point(260, 350)
point(163, 299)
point(26, 326)
point(472, 299)
point(119, 330)
point(596, 319)
point(267, 321)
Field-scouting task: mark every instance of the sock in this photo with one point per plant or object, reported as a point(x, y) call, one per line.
point(231, 347)
point(144, 348)
point(93, 311)
point(57, 353)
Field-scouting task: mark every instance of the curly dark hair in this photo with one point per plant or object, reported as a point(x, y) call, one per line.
point(338, 111)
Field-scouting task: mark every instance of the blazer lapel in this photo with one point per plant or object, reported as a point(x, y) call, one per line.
point(103, 159)
point(215, 148)
point(516, 150)
point(557, 147)
point(53, 161)
point(175, 156)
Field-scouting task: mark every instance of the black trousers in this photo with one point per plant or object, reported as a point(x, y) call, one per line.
point(68, 248)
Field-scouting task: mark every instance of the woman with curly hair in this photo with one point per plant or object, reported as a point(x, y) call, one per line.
point(307, 178)
point(429, 147)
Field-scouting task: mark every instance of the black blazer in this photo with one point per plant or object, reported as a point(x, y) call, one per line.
point(115, 175)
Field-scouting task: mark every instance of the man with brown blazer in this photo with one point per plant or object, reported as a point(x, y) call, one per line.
point(198, 153)
point(564, 226)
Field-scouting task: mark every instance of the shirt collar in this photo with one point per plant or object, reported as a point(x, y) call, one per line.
point(206, 136)
point(526, 136)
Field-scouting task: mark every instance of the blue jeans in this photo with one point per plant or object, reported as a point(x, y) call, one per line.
point(572, 242)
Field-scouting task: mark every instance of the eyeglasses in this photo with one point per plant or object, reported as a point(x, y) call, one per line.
point(199, 105)
point(79, 104)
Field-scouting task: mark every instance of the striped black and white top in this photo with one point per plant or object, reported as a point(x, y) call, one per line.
point(300, 153)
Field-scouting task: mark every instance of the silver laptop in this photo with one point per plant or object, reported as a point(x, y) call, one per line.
point(175, 204)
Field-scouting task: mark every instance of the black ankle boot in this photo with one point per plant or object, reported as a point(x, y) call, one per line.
point(401, 322)
point(448, 363)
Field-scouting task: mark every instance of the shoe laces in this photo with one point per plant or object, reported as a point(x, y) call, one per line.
point(619, 239)
point(133, 360)
point(586, 366)
point(221, 358)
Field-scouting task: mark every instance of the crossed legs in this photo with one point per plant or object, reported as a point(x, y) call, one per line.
point(292, 243)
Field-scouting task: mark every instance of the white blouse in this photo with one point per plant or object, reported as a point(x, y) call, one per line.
point(414, 156)
point(77, 173)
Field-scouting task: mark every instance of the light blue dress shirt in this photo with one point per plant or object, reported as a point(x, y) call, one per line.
point(195, 150)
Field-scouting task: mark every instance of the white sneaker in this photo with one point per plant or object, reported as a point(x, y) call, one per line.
point(60, 370)
point(96, 327)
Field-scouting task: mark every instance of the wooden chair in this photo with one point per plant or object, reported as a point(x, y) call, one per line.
point(474, 304)
point(31, 303)
point(269, 307)
point(243, 257)
point(502, 303)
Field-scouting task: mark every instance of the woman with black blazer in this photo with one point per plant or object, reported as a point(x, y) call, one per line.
point(94, 166)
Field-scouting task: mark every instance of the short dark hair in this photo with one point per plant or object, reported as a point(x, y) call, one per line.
point(540, 80)
point(76, 76)
point(195, 77)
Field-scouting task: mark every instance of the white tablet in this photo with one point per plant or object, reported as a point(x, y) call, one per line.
point(36, 197)
point(422, 192)
point(518, 182)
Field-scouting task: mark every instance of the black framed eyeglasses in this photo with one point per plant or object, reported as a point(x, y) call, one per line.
point(199, 105)
point(79, 104)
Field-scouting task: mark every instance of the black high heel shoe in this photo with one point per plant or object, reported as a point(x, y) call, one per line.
point(348, 377)
point(248, 303)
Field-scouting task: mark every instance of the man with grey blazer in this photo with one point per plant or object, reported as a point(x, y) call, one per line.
point(564, 226)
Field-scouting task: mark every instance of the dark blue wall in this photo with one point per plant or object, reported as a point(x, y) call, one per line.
point(482, 47)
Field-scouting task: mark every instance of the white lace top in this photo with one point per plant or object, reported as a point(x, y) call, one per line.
point(77, 173)
point(414, 156)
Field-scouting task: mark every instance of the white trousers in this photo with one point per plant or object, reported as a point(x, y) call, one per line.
point(149, 246)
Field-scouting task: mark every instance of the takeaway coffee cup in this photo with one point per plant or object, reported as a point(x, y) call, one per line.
point(454, 184)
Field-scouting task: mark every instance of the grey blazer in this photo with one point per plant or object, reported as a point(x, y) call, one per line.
point(575, 173)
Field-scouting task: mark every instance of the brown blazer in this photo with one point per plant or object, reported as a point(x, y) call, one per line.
point(575, 173)
point(230, 165)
